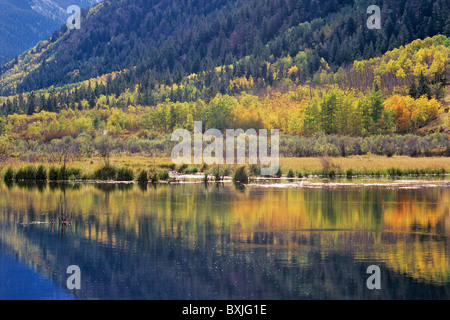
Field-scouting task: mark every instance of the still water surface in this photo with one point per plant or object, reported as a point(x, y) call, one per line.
point(218, 242)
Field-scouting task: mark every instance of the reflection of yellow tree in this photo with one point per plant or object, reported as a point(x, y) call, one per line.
point(409, 235)
point(406, 229)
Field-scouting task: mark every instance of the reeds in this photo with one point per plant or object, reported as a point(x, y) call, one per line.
point(241, 175)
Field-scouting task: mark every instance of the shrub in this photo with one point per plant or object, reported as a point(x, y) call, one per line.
point(332, 173)
point(154, 177)
point(74, 173)
point(63, 175)
point(53, 174)
point(290, 174)
point(216, 173)
point(190, 170)
point(241, 175)
point(349, 173)
point(20, 175)
point(41, 174)
point(125, 174)
point(394, 172)
point(254, 169)
point(279, 173)
point(30, 174)
point(182, 168)
point(26, 174)
point(164, 175)
point(143, 177)
point(170, 166)
point(9, 175)
point(105, 173)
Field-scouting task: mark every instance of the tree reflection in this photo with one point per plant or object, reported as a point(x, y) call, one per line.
point(188, 241)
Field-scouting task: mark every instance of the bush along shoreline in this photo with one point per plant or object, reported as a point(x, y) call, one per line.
point(63, 173)
point(171, 174)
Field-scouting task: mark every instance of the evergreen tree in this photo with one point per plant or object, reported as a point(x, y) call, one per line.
point(423, 88)
point(413, 89)
point(31, 103)
point(376, 110)
point(328, 110)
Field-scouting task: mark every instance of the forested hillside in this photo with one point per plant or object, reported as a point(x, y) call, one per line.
point(168, 40)
point(25, 22)
point(137, 74)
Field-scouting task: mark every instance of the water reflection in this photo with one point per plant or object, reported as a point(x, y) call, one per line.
point(216, 242)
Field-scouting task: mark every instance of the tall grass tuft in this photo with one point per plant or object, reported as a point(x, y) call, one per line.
point(41, 173)
point(53, 174)
point(9, 175)
point(279, 173)
point(254, 169)
point(105, 173)
point(217, 176)
point(26, 174)
point(290, 174)
point(349, 173)
point(143, 177)
point(154, 177)
point(164, 175)
point(125, 174)
point(241, 175)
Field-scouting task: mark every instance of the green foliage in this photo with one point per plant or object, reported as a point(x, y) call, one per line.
point(241, 175)
point(143, 177)
point(349, 173)
point(279, 173)
point(182, 168)
point(217, 174)
point(413, 89)
point(9, 175)
point(190, 170)
point(212, 62)
point(5, 147)
point(328, 107)
point(164, 175)
point(423, 88)
point(53, 174)
point(105, 173)
point(220, 77)
point(254, 169)
point(290, 174)
point(125, 174)
point(41, 173)
point(26, 174)
point(2, 125)
point(65, 174)
point(154, 176)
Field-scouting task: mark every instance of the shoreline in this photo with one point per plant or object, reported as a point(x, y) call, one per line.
point(274, 182)
point(142, 169)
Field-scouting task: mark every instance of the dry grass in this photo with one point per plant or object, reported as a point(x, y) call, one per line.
point(367, 162)
point(356, 163)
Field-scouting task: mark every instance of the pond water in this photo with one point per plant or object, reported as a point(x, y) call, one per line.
point(191, 241)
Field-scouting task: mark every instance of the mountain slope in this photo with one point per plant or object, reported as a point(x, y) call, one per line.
point(184, 37)
point(25, 22)
point(174, 38)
